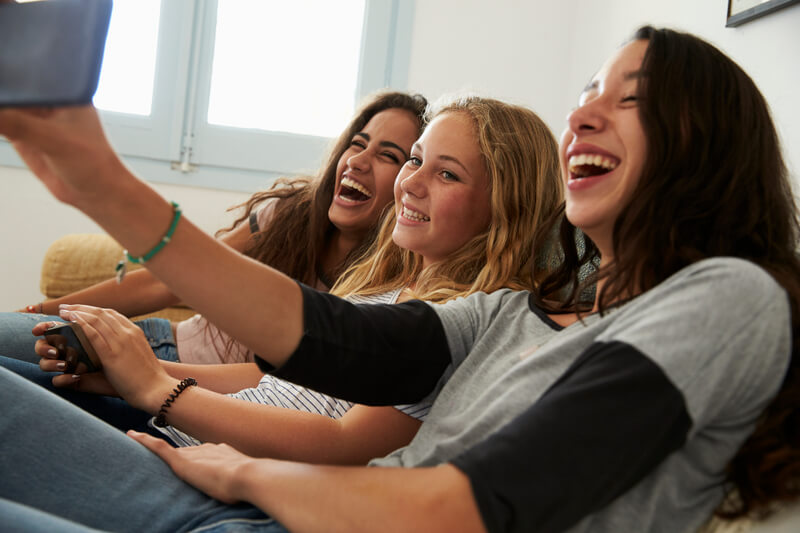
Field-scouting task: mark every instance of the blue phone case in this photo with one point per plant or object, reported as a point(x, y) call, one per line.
point(51, 52)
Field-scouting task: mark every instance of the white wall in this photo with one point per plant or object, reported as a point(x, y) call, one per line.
point(538, 53)
point(541, 53)
point(32, 220)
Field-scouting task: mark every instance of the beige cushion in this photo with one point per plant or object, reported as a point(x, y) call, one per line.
point(76, 261)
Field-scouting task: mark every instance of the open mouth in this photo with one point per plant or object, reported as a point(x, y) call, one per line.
point(589, 165)
point(416, 216)
point(352, 191)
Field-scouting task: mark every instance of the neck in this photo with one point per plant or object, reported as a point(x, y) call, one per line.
point(605, 260)
point(339, 247)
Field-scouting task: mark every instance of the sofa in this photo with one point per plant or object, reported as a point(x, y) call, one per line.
point(76, 261)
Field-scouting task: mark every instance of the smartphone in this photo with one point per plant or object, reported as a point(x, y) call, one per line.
point(73, 347)
point(51, 51)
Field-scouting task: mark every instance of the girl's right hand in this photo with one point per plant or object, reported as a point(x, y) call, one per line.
point(65, 147)
point(129, 366)
point(74, 378)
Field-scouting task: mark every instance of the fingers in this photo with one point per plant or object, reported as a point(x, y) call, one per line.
point(95, 383)
point(41, 327)
point(157, 446)
point(19, 124)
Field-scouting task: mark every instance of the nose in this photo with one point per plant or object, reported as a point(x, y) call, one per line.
point(360, 161)
point(587, 117)
point(414, 184)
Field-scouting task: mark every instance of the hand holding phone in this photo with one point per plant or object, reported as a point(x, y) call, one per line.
point(73, 347)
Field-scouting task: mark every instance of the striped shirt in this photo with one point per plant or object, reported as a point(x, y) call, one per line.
point(279, 393)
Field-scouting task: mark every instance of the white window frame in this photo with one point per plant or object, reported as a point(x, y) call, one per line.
point(175, 144)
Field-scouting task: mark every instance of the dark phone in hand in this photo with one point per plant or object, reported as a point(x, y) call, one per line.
point(51, 51)
point(73, 347)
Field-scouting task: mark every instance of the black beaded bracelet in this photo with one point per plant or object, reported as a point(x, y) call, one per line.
point(161, 417)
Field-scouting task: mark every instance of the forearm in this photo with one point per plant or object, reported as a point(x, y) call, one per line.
point(284, 433)
point(139, 293)
point(308, 498)
point(267, 317)
point(221, 378)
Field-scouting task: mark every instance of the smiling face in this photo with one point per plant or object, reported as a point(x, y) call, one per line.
point(442, 194)
point(367, 169)
point(603, 149)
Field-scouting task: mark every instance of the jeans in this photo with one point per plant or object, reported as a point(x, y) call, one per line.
point(17, 342)
point(59, 463)
point(15, 337)
point(115, 411)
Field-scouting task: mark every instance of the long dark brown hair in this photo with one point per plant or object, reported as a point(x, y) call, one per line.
point(714, 184)
point(296, 236)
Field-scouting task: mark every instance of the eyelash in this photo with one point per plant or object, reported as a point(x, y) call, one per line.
point(390, 155)
point(449, 176)
point(446, 174)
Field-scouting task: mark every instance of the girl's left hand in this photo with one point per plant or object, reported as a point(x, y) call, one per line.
point(211, 468)
point(129, 364)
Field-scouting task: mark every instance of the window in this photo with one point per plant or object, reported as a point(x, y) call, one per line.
point(228, 93)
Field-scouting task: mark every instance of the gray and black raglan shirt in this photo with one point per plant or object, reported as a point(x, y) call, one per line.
point(621, 422)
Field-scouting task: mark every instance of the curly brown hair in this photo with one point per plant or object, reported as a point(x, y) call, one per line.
point(296, 236)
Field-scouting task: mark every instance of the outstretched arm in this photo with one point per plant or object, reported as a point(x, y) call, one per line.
point(140, 291)
point(67, 150)
point(324, 498)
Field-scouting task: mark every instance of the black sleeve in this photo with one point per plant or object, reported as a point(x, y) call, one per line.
point(607, 422)
point(369, 354)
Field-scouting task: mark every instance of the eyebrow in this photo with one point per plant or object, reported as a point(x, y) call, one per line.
point(443, 157)
point(627, 76)
point(387, 144)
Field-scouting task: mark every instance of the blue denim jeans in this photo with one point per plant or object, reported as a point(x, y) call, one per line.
point(17, 341)
point(17, 354)
point(62, 466)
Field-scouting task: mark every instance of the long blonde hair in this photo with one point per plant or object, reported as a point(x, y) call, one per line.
point(521, 157)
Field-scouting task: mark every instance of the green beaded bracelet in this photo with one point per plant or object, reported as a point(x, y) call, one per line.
point(176, 216)
point(176, 210)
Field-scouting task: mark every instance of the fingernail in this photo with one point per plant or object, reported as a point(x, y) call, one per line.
point(61, 347)
point(66, 315)
point(76, 377)
point(52, 351)
point(61, 366)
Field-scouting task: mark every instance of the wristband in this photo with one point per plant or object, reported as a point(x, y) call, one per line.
point(161, 417)
point(121, 266)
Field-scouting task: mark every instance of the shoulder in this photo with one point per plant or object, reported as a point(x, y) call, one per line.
point(721, 324)
point(720, 290)
point(720, 293)
point(467, 319)
point(725, 271)
point(481, 304)
point(264, 214)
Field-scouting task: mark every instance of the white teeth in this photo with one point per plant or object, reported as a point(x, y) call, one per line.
point(357, 186)
point(591, 159)
point(414, 215)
